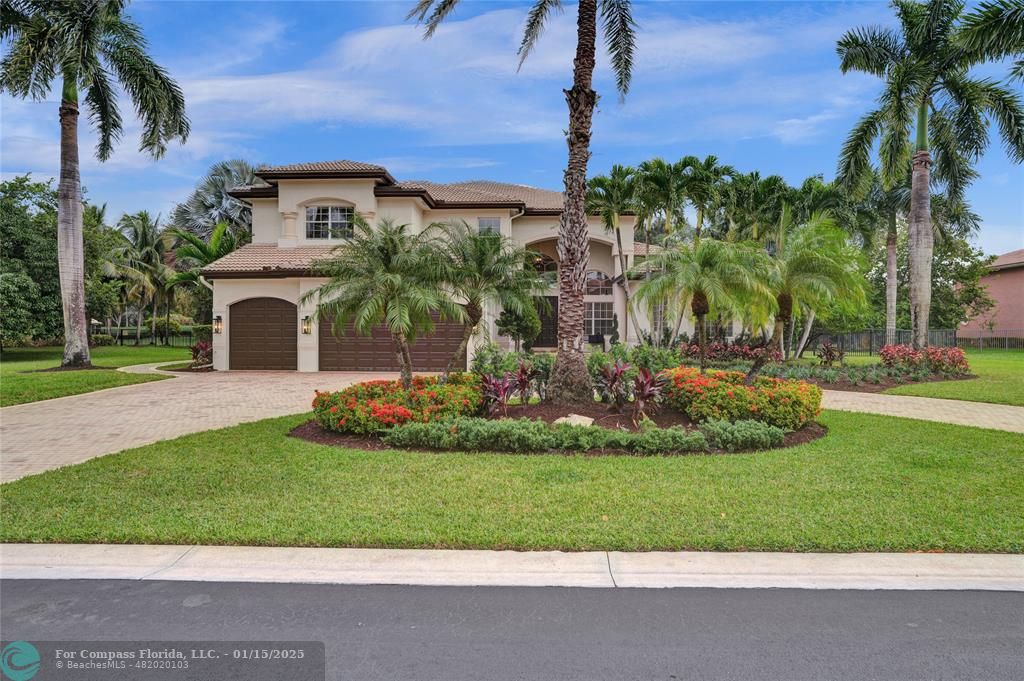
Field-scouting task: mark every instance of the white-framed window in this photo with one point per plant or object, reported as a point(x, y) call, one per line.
point(598, 284)
point(597, 318)
point(329, 222)
point(485, 225)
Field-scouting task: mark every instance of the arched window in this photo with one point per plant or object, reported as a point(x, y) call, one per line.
point(545, 263)
point(598, 284)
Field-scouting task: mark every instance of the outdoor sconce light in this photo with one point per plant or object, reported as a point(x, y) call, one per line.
point(307, 325)
point(218, 324)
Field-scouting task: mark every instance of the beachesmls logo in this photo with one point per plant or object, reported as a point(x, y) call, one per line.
point(20, 661)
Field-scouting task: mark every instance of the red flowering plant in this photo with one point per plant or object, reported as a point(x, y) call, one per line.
point(374, 406)
point(951, 361)
point(728, 352)
point(717, 395)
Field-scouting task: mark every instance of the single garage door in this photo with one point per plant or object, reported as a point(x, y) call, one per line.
point(353, 352)
point(263, 334)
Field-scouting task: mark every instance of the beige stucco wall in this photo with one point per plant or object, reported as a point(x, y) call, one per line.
point(266, 221)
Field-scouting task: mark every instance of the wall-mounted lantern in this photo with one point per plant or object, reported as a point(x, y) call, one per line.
point(307, 325)
point(218, 324)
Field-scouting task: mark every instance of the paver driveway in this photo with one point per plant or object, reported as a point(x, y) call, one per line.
point(39, 436)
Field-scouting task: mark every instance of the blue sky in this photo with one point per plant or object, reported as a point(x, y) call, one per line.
point(756, 83)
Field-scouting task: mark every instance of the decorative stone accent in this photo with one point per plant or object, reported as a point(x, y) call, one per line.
point(576, 420)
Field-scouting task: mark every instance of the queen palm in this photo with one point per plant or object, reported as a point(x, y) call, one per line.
point(570, 381)
point(384, 275)
point(142, 260)
point(92, 47)
point(194, 253)
point(210, 204)
point(610, 196)
point(481, 269)
point(704, 185)
point(928, 86)
point(711, 277)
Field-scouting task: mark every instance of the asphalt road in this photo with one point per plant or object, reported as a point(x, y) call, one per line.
point(498, 633)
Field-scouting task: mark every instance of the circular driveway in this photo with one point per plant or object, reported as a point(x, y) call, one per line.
point(39, 436)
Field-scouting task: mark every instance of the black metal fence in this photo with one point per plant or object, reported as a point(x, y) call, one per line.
point(127, 336)
point(869, 341)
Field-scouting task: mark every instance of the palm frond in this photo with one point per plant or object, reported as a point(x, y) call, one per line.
point(620, 39)
point(994, 30)
point(855, 156)
point(1006, 108)
point(871, 49)
point(101, 98)
point(535, 20)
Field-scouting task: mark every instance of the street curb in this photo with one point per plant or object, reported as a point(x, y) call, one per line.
point(600, 569)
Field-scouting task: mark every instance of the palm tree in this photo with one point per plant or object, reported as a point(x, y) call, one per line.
point(704, 184)
point(813, 264)
point(93, 47)
point(663, 185)
point(610, 196)
point(385, 274)
point(926, 66)
point(712, 277)
point(753, 205)
point(481, 269)
point(194, 253)
point(570, 381)
point(209, 204)
point(143, 261)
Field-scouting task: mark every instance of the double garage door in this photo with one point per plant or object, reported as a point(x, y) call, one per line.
point(264, 335)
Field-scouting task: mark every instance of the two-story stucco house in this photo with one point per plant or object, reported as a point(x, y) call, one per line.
point(305, 210)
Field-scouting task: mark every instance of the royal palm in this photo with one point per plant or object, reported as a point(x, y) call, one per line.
point(92, 48)
point(570, 381)
point(928, 88)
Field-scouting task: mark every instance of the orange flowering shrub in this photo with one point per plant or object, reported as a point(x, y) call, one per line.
point(721, 395)
point(375, 406)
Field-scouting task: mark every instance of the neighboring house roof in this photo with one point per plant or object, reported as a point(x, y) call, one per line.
point(270, 260)
point(1008, 261)
point(471, 194)
point(267, 260)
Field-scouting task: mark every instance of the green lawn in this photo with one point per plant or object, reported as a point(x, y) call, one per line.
point(1000, 380)
point(874, 483)
point(21, 382)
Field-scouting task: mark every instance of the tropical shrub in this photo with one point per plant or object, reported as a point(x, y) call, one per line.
point(951, 361)
point(736, 435)
point(202, 332)
point(526, 435)
point(722, 395)
point(101, 339)
point(496, 392)
point(202, 353)
point(728, 352)
point(489, 358)
point(375, 406)
point(648, 389)
point(829, 354)
point(613, 384)
point(525, 380)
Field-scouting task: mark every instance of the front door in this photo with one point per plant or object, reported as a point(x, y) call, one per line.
point(548, 337)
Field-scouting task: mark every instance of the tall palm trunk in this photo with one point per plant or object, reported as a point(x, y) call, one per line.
point(699, 227)
point(700, 308)
point(138, 324)
point(921, 239)
point(624, 282)
point(152, 321)
point(891, 282)
point(806, 334)
point(404, 358)
point(474, 313)
point(570, 380)
point(70, 245)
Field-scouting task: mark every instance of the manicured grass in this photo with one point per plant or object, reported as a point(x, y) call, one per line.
point(874, 483)
point(20, 380)
point(1000, 380)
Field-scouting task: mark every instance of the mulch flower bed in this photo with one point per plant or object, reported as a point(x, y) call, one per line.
point(312, 432)
point(885, 384)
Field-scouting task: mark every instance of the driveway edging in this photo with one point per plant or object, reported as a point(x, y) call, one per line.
point(598, 569)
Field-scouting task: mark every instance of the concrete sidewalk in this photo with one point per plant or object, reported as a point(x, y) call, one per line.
point(958, 412)
point(912, 571)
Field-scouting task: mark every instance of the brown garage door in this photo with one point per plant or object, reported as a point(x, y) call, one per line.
point(353, 352)
point(263, 334)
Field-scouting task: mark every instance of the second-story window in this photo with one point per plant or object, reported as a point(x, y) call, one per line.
point(598, 284)
point(486, 225)
point(329, 222)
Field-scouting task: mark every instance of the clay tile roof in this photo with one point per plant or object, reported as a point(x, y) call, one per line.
point(268, 258)
point(458, 193)
point(341, 166)
point(533, 197)
point(1008, 260)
